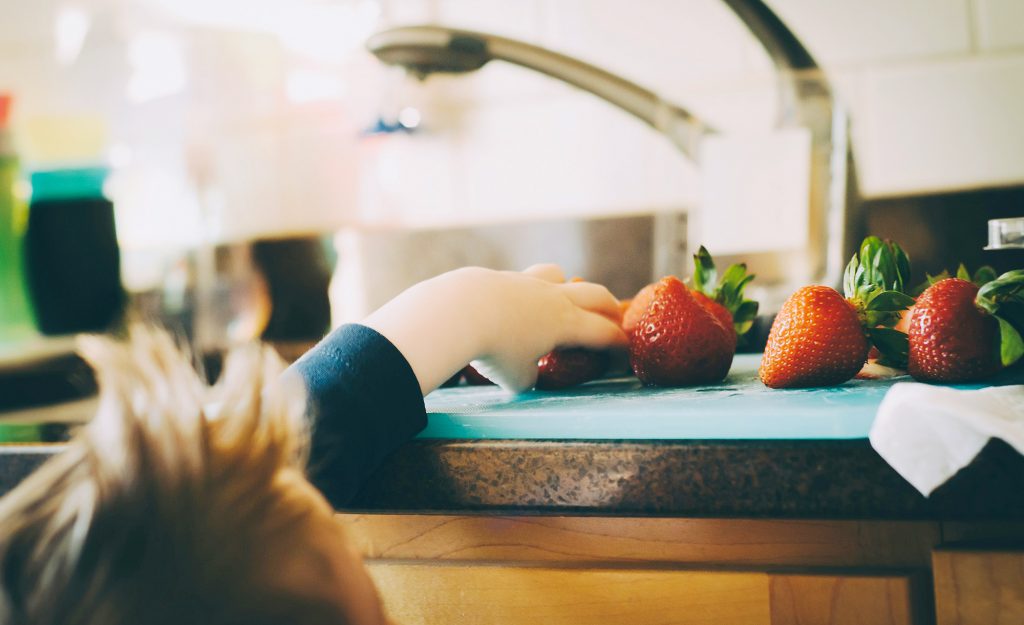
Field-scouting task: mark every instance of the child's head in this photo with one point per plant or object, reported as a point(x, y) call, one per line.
point(180, 503)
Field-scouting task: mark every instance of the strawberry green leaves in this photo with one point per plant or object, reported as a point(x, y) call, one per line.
point(875, 282)
point(743, 318)
point(882, 308)
point(704, 273)
point(891, 301)
point(728, 291)
point(1009, 286)
point(1011, 345)
point(880, 265)
point(1003, 298)
point(893, 346)
point(981, 277)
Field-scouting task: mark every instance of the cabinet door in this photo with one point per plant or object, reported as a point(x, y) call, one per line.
point(978, 587)
point(484, 594)
point(847, 600)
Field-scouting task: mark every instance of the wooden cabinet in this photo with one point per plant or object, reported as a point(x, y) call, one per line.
point(739, 543)
point(520, 594)
point(594, 570)
point(506, 594)
point(979, 586)
point(847, 599)
point(446, 569)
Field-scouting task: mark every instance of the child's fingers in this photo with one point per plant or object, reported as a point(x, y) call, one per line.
point(595, 331)
point(593, 297)
point(548, 272)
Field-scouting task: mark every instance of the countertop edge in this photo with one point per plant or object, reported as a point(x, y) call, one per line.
point(733, 478)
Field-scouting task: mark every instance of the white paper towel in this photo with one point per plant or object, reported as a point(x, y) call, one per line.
point(928, 433)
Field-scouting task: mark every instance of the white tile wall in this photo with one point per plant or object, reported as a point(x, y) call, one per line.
point(527, 161)
point(1000, 24)
point(667, 45)
point(33, 24)
point(933, 86)
point(843, 32)
point(951, 125)
point(520, 19)
point(523, 161)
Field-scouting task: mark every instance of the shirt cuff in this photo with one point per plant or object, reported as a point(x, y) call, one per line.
point(364, 402)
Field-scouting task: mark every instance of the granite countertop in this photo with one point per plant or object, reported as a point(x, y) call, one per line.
point(730, 478)
point(614, 448)
point(816, 479)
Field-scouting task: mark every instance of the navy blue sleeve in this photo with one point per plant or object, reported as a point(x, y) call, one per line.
point(365, 401)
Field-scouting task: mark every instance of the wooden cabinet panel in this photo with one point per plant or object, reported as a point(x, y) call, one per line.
point(978, 587)
point(421, 594)
point(445, 593)
point(733, 542)
point(850, 600)
point(597, 570)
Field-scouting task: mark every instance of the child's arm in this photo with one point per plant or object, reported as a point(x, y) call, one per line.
point(366, 382)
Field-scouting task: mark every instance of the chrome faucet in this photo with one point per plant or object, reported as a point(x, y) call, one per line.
point(426, 50)
point(804, 101)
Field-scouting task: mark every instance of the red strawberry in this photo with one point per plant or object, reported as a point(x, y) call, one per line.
point(980, 277)
point(951, 338)
point(567, 367)
point(678, 342)
point(718, 312)
point(816, 340)
point(820, 338)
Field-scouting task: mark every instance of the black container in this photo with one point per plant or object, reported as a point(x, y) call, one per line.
point(71, 254)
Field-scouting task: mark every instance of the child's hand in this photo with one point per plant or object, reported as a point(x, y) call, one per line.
point(503, 320)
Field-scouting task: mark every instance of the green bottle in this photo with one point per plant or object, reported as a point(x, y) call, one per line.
point(17, 321)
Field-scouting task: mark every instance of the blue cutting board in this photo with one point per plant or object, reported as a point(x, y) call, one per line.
point(739, 408)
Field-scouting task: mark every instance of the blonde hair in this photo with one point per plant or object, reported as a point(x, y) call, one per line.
point(163, 509)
